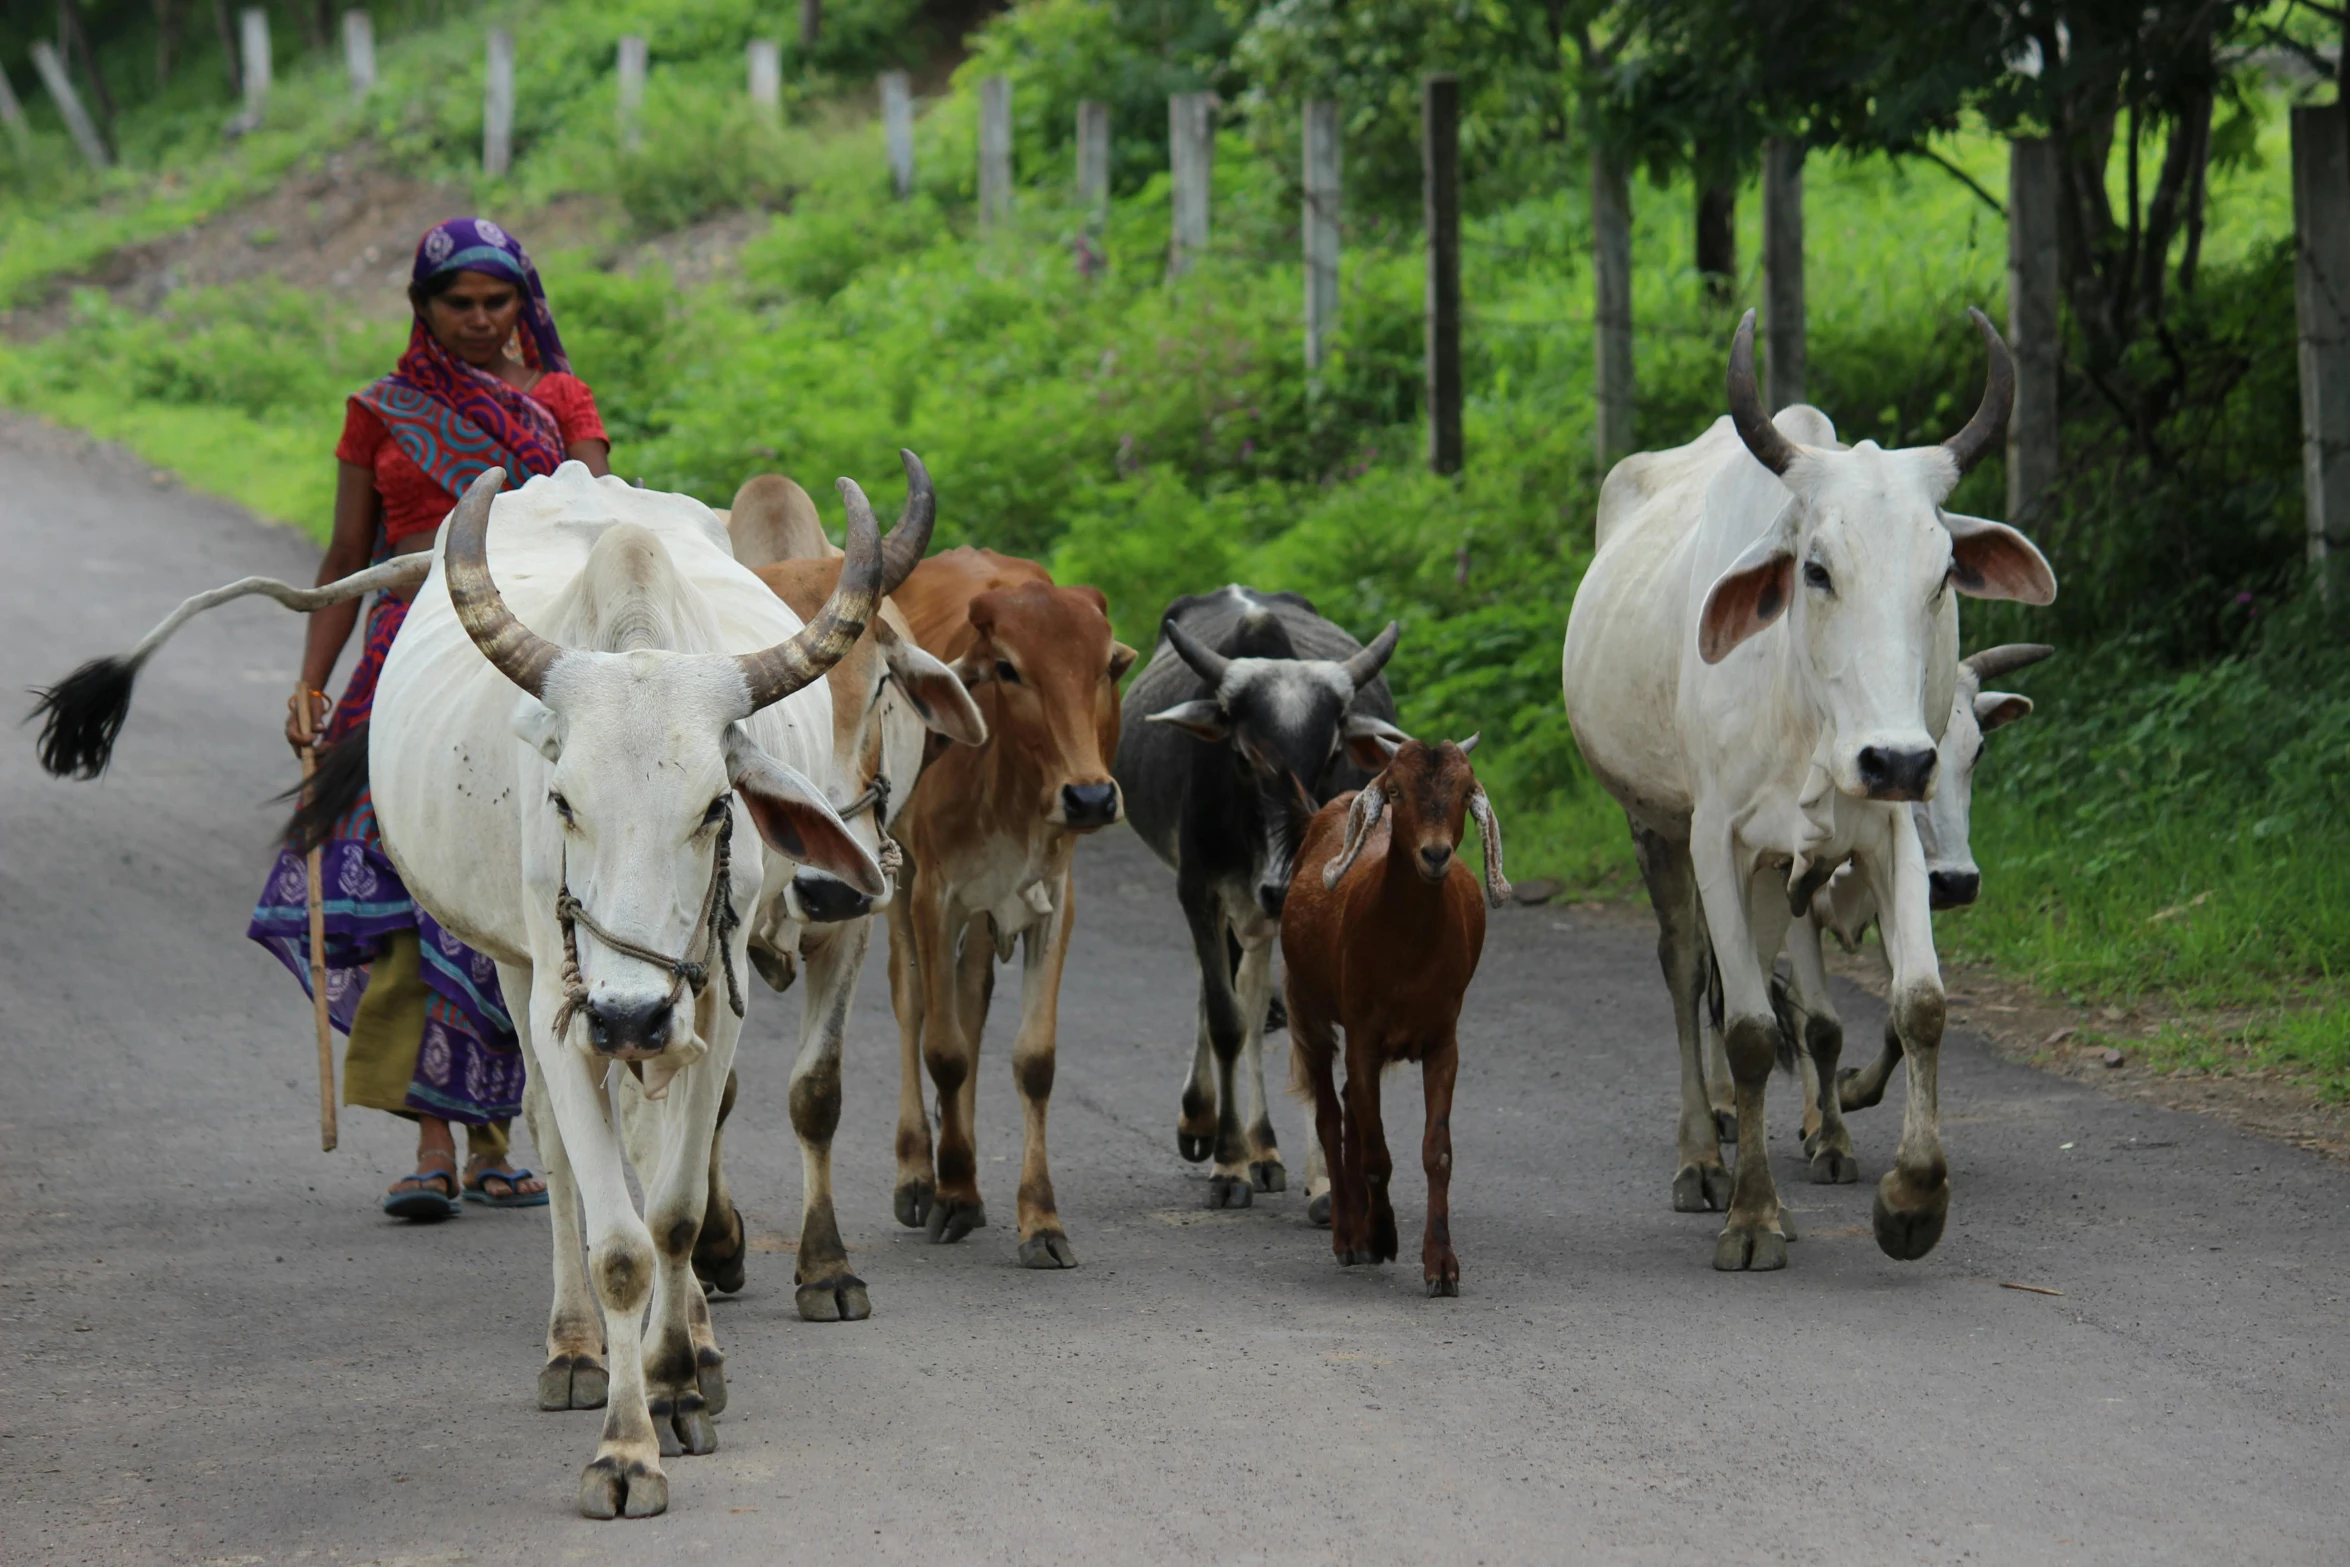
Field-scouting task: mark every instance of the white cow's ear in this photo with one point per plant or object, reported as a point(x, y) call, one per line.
point(795, 819)
point(1998, 709)
point(1372, 742)
point(1990, 560)
point(937, 692)
point(1748, 597)
point(535, 725)
point(1202, 719)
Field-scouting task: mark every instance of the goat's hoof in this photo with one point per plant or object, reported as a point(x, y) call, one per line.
point(1747, 1248)
point(1047, 1249)
point(913, 1202)
point(1701, 1188)
point(951, 1218)
point(682, 1422)
point(1834, 1167)
point(710, 1377)
point(613, 1487)
point(1442, 1272)
point(1909, 1221)
point(1359, 1256)
point(1268, 1175)
point(1318, 1212)
point(838, 1299)
point(573, 1382)
point(1229, 1191)
point(1725, 1126)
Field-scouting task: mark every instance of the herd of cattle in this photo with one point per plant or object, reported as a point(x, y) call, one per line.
point(589, 700)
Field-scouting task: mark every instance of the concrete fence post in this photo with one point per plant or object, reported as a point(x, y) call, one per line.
point(253, 39)
point(631, 108)
point(1093, 158)
point(995, 151)
point(897, 123)
point(1611, 303)
point(2033, 448)
point(1191, 129)
point(69, 104)
point(2321, 299)
point(12, 112)
point(766, 62)
point(359, 52)
point(1322, 195)
point(1783, 318)
point(497, 118)
point(1440, 166)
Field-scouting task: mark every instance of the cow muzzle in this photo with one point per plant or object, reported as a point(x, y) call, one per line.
point(1952, 889)
point(818, 899)
point(1084, 807)
point(634, 1029)
point(1897, 772)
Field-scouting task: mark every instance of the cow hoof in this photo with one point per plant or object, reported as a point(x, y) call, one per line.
point(573, 1382)
point(913, 1203)
point(1907, 1232)
point(1229, 1191)
point(1834, 1167)
point(835, 1300)
point(1318, 1212)
point(1047, 1249)
point(682, 1422)
point(1194, 1147)
point(1268, 1175)
point(1747, 1249)
point(951, 1219)
point(1701, 1188)
point(611, 1488)
point(1725, 1126)
point(710, 1377)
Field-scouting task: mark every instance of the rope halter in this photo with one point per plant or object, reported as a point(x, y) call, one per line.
point(714, 926)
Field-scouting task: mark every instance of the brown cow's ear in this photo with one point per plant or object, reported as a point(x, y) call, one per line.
point(1372, 742)
point(796, 821)
point(1202, 720)
point(1122, 659)
point(1998, 709)
point(937, 693)
point(1747, 598)
point(1990, 560)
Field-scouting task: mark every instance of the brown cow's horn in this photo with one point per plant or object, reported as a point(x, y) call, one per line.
point(1364, 667)
point(2006, 658)
point(801, 660)
point(1205, 663)
point(909, 541)
point(1983, 431)
point(1773, 450)
point(520, 654)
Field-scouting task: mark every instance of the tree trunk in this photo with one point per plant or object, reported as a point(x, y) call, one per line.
point(1717, 239)
point(228, 46)
point(164, 40)
point(72, 32)
point(306, 15)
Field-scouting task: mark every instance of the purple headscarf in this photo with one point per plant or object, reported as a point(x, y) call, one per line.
point(478, 245)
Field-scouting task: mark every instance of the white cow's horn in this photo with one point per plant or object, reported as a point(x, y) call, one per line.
point(909, 541)
point(1773, 450)
point(802, 660)
point(2006, 658)
point(519, 653)
point(1364, 667)
point(1984, 430)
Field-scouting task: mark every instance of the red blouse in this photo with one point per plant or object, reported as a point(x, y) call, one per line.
point(412, 503)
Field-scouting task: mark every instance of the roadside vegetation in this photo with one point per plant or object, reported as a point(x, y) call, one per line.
point(2164, 826)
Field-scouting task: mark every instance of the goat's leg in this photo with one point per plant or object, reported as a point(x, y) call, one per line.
point(1746, 916)
point(575, 1376)
point(1313, 1057)
point(824, 1288)
point(1366, 1059)
point(1438, 1266)
point(1044, 949)
point(1229, 1185)
point(1827, 1142)
point(1254, 981)
point(1913, 1198)
point(1702, 1182)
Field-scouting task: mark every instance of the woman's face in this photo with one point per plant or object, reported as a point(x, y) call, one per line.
point(474, 316)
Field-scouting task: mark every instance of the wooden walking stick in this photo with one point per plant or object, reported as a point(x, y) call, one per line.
point(326, 1037)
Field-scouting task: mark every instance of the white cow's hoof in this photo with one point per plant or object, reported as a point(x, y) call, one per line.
point(613, 1487)
point(1229, 1191)
point(1834, 1167)
point(1909, 1218)
point(1318, 1212)
point(1748, 1248)
point(710, 1377)
point(573, 1382)
point(838, 1299)
point(682, 1422)
point(1701, 1188)
point(1268, 1175)
point(1047, 1249)
point(1726, 1126)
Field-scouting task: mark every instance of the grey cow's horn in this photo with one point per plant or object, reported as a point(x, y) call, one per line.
point(1984, 430)
point(2006, 658)
point(909, 541)
point(1364, 667)
point(519, 653)
point(777, 672)
point(1773, 450)
point(1205, 662)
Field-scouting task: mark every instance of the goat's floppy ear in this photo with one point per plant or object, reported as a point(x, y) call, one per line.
point(1497, 889)
point(1201, 719)
point(1372, 742)
point(795, 819)
point(1747, 597)
point(1370, 803)
point(938, 695)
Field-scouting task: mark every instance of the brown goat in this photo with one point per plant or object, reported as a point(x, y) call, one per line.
point(1381, 935)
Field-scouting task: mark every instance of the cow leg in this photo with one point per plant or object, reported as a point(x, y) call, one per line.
point(574, 1376)
point(1195, 1128)
point(1374, 1214)
point(827, 1291)
point(720, 1248)
point(917, 1185)
point(1720, 1092)
point(958, 972)
point(1746, 916)
point(1702, 1182)
point(1863, 1088)
point(1229, 1185)
point(1044, 948)
point(1255, 985)
point(1438, 1266)
point(677, 1190)
point(1826, 1140)
point(1913, 1198)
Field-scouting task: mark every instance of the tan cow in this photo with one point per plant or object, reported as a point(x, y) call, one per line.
point(989, 837)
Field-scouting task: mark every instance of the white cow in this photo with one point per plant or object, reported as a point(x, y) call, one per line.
point(1755, 666)
point(578, 831)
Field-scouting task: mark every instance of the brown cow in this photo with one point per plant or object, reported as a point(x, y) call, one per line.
point(1381, 935)
point(989, 836)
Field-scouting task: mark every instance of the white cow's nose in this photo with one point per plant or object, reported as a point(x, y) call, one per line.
point(630, 1027)
point(1897, 772)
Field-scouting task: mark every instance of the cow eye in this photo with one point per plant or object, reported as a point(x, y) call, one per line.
point(717, 811)
point(1006, 673)
point(1816, 575)
point(562, 807)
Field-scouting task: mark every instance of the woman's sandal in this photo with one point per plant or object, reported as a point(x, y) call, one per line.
point(414, 1197)
point(477, 1189)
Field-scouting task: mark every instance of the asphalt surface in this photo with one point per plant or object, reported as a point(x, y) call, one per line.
point(214, 1348)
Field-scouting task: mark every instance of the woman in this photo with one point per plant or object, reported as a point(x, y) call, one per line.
point(484, 383)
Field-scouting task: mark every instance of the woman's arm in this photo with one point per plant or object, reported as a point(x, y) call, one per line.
point(596, 454)
point(358, 509)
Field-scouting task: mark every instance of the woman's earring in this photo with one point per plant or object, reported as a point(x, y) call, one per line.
point(514, 345)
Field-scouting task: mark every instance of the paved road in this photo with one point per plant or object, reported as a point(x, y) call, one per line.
point(213, 1348)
